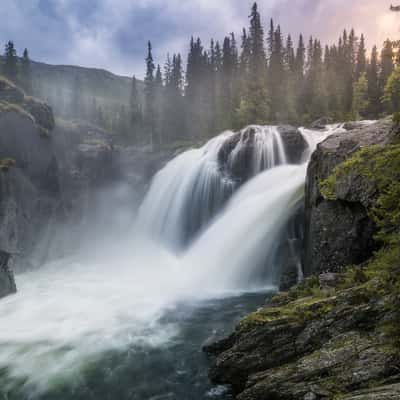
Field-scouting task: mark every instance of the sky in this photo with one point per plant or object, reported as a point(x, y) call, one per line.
point(112, 34)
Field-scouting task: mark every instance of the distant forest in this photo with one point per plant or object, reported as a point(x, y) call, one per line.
point(262, 78)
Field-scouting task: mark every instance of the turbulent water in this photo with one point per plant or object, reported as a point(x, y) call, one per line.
point(191, 190)
point(127, 321)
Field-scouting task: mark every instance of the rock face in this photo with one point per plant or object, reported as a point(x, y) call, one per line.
point(340, 232)
point(29, 186)
point(7, 283)
point(241, 166)
point(336, 335)
point(310, 347)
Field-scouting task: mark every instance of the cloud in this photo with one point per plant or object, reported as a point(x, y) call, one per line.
point(112, 34)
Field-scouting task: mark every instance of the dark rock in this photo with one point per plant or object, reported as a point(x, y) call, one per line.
point(319, 348)
point(340, 233)
point(321, 123)
point(351, 125)
point(241, 166)
point(7, 283)
point(42, 113)
point(295, 144)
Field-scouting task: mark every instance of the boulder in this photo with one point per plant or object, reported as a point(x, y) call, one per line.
point(340, 232)
point(237, 154)
point(295, 144)
point(321, 123)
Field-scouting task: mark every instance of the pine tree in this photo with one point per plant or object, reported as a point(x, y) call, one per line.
point(387, 63)
point(149, 93)
point(26, 72)
point(392, 91)
point(360, 97)
point(254, 105)
point(136, 117)
point(277, 77)
point(10, 68)
point(374, 92)
point(158, 106)
point(361, 58)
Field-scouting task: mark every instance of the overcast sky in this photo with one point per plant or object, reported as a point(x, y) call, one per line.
point(112, 34)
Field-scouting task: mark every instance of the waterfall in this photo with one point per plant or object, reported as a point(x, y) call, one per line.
point(237, 251)
point(195, 186)
point(236, 195)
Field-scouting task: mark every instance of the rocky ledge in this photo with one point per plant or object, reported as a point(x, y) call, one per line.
point(241, 166)
point(336, 336)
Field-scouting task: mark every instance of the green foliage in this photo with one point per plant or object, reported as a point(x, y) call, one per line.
point(392, 90)
point(10, 68)
point(360, 97)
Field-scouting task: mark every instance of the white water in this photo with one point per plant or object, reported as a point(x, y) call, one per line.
point(67, 314)
point(191, 189)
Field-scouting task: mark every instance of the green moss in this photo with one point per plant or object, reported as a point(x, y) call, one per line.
point(299, 311)
point(6, 107)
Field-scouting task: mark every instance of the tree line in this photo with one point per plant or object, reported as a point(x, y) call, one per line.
point(267, 78)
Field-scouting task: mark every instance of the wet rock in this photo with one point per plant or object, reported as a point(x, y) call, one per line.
point(340, 233)
point(330, 280)
point(42, 113)
point(7, 283)
point(237, 155)
point(308, 348)
point(321, 123)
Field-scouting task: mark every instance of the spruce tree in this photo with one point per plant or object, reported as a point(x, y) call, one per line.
point(374, 92)
point(361, 58)
point(10, 68)
point(136, 117)
point(149, 93)
point(255, 105)
point(26, 72)
point(360, 97)
point(387, 63)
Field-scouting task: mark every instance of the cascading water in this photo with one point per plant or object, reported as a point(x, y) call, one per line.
point(195, 186)
point(105, 326)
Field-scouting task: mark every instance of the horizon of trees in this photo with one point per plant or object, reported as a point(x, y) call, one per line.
point(265, 77)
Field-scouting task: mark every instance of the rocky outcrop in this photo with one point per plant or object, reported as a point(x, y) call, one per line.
point(311, 345)
point(238, 161)
point(7, 283)
point(29, 186)
point(340, 232)
point(14, 100)
point(337, 334)
point(321, 123)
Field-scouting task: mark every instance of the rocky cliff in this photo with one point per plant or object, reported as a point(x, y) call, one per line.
point(56, 174)
point(340, 232)
point(336, 335)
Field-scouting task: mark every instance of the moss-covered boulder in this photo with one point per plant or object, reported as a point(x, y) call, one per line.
point(339, 230)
